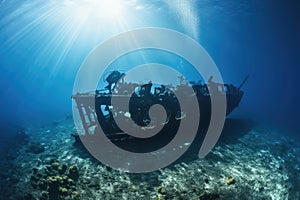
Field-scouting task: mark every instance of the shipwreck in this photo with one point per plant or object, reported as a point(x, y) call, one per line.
point(101, 114)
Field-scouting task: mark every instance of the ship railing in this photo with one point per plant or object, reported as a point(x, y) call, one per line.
point(86, 111)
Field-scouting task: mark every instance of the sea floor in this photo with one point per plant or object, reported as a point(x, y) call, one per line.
point(45, 164)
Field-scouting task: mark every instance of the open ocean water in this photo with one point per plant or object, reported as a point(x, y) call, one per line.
point(45, 44)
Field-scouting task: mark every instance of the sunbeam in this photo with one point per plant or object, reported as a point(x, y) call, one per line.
point(54, 30)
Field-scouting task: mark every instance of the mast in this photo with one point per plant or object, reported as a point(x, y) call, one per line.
point(244, 81)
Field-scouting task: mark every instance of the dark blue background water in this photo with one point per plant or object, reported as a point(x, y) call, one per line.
point(42, 45)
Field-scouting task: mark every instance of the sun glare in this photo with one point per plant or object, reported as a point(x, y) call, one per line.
point(97, 8)
point(111, 7)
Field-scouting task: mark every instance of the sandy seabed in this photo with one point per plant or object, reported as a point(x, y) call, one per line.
point(45, 164)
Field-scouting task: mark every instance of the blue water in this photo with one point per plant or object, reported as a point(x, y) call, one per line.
point(43, 44)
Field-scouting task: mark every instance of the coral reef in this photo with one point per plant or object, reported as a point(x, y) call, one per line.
point(261, 164)
point(56, 180)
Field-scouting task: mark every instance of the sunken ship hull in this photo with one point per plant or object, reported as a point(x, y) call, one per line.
point(101, 114)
